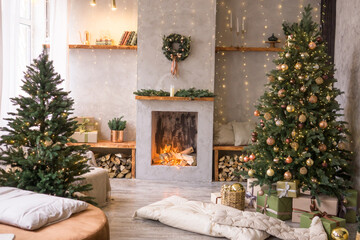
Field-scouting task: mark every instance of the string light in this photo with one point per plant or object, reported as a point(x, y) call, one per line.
point(93, 3)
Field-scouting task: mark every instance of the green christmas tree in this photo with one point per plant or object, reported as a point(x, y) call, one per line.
point(37, 133)
point(299, 135)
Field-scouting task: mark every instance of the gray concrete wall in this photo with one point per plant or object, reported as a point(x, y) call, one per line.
point(240, 76)
point(187, 17)
point(347, 61)
point(102, 82)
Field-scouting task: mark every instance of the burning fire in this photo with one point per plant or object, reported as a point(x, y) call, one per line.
point(172, 156)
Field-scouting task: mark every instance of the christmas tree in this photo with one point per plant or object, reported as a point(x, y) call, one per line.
point(299, 135)
point(37, 133)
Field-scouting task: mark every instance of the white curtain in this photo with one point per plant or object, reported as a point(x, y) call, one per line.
point(59, 51)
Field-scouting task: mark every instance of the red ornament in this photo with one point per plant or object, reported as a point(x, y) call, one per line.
point(254, 134)
point(288, 140)
point(246, 159)
point(325, 77)
point(339, 129)
point(324, 164)
point(322, 147)
point(270, 141)
point(253, 139)
point(283, 106)
point(252, 157)
point(262, 125)
point(301, 125)
point(306, 148)
point(319, 39)
point(292, 81)
point(288, 160)
point(257, 113)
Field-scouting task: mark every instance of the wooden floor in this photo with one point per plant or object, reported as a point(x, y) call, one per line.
point(131, 194)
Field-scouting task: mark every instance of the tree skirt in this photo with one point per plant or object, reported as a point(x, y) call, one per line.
point(222, 221)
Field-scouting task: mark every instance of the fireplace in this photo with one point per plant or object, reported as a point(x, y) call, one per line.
point(174, 138)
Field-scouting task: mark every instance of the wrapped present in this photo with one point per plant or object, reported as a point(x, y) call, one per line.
point(303, 204)
point(348, 206)
point(288, 188)
point(216, 198)
point(273, 206)
point(85, 137)
point(329, 222)
point(86, 124)
point(250, 198)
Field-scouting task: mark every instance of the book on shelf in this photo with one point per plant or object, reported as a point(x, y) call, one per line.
point(124, 37)
point(128, 38)
point(134, 40)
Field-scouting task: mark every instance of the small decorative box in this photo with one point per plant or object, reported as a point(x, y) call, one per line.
point(329, 222)
point(85, 137)
point(288, 188)
point(273, 206)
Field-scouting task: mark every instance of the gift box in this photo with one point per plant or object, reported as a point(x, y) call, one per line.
point(216, 198)
point(329, 222)
point(288, 188)
point(302, 205)
point(273, 206)
point(86, 124)
point(85, 137)
point(348, 210)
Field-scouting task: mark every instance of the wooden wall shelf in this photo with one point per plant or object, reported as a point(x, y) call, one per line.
point(82, 46)
point(248, 49)
point(207, 99)
point(106, 144)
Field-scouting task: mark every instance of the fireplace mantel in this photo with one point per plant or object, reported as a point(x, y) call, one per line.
point(158, 98)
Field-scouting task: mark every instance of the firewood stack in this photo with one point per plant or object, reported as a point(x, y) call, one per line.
point(228, 165)
point(118, 165)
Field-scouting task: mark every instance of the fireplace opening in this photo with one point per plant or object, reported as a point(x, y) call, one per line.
point(174, 138)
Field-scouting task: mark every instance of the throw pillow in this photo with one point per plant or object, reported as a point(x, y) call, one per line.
point(242, 132)
point(30, 211)
point(224, 134)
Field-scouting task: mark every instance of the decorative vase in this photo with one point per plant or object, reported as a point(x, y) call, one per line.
point(357, 236)
point(117, 136)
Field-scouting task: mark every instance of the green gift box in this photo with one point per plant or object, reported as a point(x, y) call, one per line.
point(273, 206)
point(288, 188)
point(348, 210)
point(329, 222)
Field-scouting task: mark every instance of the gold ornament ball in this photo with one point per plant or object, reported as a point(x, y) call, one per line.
point(241, 158)
point(345, 201)
point(278, 67)
point(312, 45)
point(341, 146)
point(298, 66)
point(295, 145)
point(287, 175)
point(279, 123)
point(290, 108)
point(314, 180)
point(270, 141)
point(267, 116)
point(284, 67)
point(339, 233)
point(303, 170)
point(260, 192)
point(302, 118)
point(276, 160)
point(328, 98)
point(316, 66)
point(276, 149)
point(303, 89)
point(271, 78)
point(287, 55)
point(322, 147)
point(251, 172)
point(270, 172)
point(293, 133)
point(280, 78)
point(319, 80)
point(309, 162)
point(313, 99)
point(281, 93)
point(236, 187)
point(257, 113)
point(323, 124)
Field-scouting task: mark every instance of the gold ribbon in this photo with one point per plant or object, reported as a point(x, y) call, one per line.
point(174, 66)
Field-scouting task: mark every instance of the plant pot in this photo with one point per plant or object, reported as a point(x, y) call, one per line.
point(357, 236)
point(117, 136)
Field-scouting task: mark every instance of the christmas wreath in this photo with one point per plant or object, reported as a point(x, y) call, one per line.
point(173, 54)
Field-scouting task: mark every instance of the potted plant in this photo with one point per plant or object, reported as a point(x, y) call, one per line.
point(117, 126)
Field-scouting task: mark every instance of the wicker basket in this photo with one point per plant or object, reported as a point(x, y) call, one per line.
point(232, 198)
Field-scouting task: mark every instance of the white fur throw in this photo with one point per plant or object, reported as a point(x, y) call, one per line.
point(222, 221)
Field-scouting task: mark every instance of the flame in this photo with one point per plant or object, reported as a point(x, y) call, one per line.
point(168, 156)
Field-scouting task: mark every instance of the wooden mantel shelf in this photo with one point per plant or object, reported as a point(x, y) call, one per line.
point(208, 99)
point(82, 46)
point(249, 49)
point(108, 144)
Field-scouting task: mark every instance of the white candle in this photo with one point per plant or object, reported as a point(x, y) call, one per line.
point(230, 20)
point(237, 25)
point(172, 91)
point(243, 25)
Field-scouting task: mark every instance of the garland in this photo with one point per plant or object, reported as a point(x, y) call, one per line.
point(173, 54)
point(191, 92)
